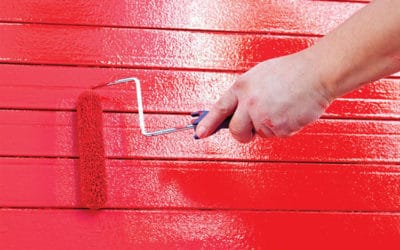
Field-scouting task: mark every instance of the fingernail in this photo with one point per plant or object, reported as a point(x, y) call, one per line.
point(200, 131)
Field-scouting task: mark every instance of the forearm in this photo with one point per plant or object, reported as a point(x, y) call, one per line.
point(364, 48)
point(279, 97)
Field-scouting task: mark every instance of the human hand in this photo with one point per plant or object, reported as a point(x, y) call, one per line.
point(277, 97)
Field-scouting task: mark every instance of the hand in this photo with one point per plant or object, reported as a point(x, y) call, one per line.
point(277, 97)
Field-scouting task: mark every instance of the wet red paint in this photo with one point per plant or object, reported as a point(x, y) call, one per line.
point(91, 168)
point(335, 185)
point(165, 91)
point(299, 17)
point(42, 133)
point(99, 46)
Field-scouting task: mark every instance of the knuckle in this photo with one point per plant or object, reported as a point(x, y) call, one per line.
point(252, 101)
point(236, 132)
point(240, 135)
point(222, 107)
point(262, 125)
point(267, 122)
point(239, 84)
point(240, 87)
point(264, 132)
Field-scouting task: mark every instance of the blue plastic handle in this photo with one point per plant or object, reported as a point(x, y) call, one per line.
point(201, 114)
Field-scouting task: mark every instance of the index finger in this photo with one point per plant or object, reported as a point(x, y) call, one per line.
point(221, 110)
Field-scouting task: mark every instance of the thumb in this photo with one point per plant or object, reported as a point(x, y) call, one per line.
point(221, 110)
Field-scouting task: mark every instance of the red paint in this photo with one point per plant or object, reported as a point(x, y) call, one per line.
point(73, 229)
point(57, 88)
point(91, 168)
point(298, 17)
point(99, 46)
point(114, 47)
point(206, 184)
point(42, 133)
point(365, 109)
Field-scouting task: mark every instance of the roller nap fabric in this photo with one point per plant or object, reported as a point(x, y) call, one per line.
point(91, 164)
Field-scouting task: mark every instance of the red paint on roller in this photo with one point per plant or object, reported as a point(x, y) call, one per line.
point(91, 165)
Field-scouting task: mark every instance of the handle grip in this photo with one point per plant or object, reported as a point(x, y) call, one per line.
point(202, 113)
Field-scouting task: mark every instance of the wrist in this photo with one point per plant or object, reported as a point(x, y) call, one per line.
point(324, 81)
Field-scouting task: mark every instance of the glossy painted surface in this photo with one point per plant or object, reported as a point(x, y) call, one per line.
point(294, 17)
point(165, 91)
point(188, 184)
point(42, 133)
point(162, 229)
point(142, 48)
point(335, 185)
point(122, 47)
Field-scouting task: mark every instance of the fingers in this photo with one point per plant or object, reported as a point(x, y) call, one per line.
point(263, 129)
point(241, 126)
point(223, 108)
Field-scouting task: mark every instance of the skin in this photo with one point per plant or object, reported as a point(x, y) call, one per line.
point(278, 97)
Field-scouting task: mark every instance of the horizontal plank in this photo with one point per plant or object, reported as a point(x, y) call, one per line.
point(143, 48)
point(99, 46)
point(35, 182)
point(57, 88)
point(40, 133)
point(41, 76)
point(80, 229)
point(284, 16)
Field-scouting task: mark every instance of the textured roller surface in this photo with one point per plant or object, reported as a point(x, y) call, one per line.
point(91, 164)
